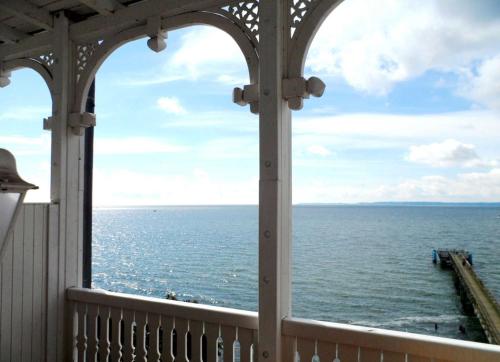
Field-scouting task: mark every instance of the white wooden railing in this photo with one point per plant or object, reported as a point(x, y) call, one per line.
point(308, 340)
point(119, 327)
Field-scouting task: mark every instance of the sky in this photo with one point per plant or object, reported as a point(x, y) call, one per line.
point(411, 113)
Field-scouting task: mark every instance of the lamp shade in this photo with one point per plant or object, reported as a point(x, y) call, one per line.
point(12, 191)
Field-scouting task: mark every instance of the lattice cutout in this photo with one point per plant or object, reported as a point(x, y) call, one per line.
point(298, 11)
point(47, 60)
point(84, 53)
point(247, 13)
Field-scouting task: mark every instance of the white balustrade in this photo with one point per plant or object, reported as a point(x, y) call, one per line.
point(308, 340)
point(119, 327)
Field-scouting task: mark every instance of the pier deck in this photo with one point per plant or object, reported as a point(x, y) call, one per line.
point(485, 305)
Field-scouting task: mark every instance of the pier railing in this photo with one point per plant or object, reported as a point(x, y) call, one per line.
point(119, 327)
point(485, 305)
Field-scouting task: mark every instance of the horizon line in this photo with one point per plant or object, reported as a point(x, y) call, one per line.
point(364, 203)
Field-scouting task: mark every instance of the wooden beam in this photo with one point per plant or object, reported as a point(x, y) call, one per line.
point(103, 7)
point(11, 35)
point(28, 12)
point(99, 26)
point(31, 45)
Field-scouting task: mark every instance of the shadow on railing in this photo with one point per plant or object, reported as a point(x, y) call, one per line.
point(119, 327)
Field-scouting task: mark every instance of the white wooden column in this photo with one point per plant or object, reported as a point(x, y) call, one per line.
point(65, 253)
point(275, 204)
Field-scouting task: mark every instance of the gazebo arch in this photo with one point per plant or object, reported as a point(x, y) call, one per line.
point(95, 54)
point(305, 23)
point(37, 65)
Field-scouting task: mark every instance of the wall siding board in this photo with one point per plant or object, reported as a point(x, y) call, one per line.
point(27, 284)
point(6, 302)
point(17, 288)
point(23, 294)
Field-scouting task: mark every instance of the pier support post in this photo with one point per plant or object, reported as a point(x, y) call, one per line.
point(275, 203)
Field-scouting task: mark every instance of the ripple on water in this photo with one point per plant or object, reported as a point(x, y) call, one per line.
point(363, 265)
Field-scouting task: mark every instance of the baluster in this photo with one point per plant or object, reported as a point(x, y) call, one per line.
point(212, 333)
point(154, 345)
point(348, 352)
point(228, 338)
point(128, 348)
point(181, 327)
point(196, 330)
point(245, 336)
point(327, 351)
point(104, 343)
point(140, 347)
point(166, 326)
point(81, 340)
point(394, 357)
point(92, 348)
point(116, 344)
point(306, 349)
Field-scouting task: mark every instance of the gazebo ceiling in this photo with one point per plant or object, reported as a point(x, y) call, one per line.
point(26, 26)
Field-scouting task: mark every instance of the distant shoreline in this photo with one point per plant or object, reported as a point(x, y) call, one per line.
point(382, 203)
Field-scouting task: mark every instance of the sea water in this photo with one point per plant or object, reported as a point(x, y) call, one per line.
point(365, 265)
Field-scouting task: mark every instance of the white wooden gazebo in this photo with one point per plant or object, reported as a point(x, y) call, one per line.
point(46, 314)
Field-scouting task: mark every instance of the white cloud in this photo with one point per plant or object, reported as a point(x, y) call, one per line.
point(25, 113)
point(39, 174)
point(448, 153)
point(148, 79)
point(319, 150)
point(120, 187)
point(204, 53)
point(27, 146)
point(239, 120)
point(375, 131)
point(467, 187)
point(484, 87)
point(135, 145)
point(374, 45)
point(207, 51)
point(232, 80)
point(237, 147)
point(171, 105)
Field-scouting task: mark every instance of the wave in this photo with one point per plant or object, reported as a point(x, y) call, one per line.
point(411, 320)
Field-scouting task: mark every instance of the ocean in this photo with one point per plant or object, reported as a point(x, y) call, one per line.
point(367, 265)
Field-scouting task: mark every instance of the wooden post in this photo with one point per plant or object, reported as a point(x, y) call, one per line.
point(66, 192)
point(275, 202)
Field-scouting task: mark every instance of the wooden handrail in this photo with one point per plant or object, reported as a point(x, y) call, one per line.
point(190, 311)
point(391, 341)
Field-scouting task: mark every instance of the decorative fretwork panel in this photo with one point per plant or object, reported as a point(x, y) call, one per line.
point(247, 14)
point(298, 11)
point(84, 53)
point(47, 60)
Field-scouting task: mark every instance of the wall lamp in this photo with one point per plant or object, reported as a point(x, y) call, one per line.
point(12, 192)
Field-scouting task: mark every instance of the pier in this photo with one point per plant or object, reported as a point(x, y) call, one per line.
point(485, 305)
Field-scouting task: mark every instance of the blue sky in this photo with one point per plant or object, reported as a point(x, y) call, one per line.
point(411, 113)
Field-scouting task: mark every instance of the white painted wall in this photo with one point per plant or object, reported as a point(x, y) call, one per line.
point(23, 287)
